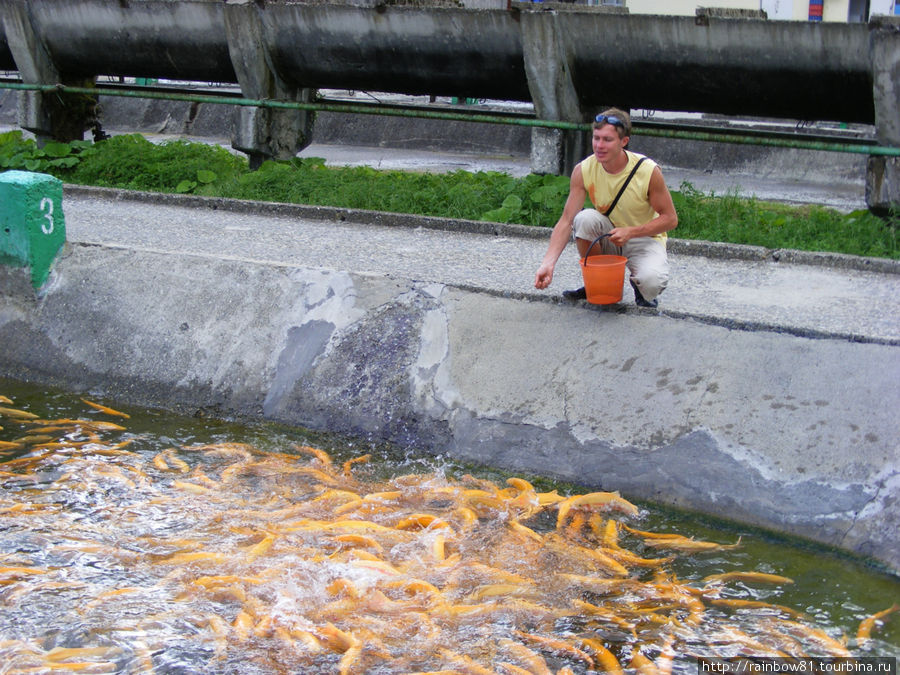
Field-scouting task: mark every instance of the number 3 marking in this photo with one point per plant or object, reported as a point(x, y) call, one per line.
point(47, 203)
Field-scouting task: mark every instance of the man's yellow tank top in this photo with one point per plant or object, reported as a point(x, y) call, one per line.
point(634, 206)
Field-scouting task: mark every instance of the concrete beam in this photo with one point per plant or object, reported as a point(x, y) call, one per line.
point(883, 185)
point(63, 117)
point(884, 33)
point(548, 67)
point(182, 40)
point(263, 133)
point(34, 64)
point(883, 173)
point(32, 59)
point(728, 66)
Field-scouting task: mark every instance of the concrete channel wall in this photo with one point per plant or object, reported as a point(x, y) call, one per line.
point(792, 432)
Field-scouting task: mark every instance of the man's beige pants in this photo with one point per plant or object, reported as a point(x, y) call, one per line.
point(648, 263)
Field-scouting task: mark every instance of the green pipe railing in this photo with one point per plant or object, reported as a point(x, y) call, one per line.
point(400, 111)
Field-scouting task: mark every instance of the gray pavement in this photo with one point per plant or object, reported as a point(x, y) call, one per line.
point(826, 296)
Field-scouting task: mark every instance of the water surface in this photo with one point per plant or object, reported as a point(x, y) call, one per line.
point(162, 543)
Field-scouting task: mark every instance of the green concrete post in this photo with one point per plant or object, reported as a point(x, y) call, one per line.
point(32, 227)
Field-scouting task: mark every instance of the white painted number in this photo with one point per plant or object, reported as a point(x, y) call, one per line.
point(47, 210)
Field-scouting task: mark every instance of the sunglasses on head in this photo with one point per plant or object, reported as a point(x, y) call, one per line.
point(610, 119)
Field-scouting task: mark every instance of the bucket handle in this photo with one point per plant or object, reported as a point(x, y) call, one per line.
point(584, 260)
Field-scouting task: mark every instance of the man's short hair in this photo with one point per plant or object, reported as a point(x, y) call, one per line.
point(622, 121)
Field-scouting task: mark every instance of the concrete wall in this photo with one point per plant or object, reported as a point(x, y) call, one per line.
point(684, 7)
point(755, 425)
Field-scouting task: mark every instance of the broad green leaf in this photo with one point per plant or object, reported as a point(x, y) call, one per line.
point(55, 149)
point(512, 202)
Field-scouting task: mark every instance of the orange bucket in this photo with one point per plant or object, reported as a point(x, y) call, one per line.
point(604, 276)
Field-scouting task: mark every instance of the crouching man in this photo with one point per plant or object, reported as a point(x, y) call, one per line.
point(632, 204)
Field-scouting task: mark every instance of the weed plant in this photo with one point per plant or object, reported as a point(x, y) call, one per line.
point(131, 162)
point(26, 155)
point(309, 181)
point(739, 220)
point(134, 163)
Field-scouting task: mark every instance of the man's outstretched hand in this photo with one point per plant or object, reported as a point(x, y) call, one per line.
point(544, 276)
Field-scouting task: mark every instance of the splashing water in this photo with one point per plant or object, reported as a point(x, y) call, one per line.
point(135, 552)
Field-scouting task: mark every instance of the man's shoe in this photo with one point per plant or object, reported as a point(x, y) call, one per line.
point(577, 294)
point(639, 299)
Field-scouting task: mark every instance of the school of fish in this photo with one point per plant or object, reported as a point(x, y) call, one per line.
point(223, 558)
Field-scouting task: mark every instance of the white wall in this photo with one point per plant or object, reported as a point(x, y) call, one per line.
point(684, 7)
point(834, 10)
point(780, 10)
point(881, 7)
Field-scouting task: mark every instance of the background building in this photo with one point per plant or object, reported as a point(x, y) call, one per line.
point(783, 10)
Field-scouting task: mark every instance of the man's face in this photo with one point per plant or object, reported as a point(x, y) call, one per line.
point(606, 143)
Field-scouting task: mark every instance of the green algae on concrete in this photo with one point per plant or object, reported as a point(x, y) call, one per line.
point(32, 226)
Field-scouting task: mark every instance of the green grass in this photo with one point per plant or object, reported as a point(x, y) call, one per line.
point(131, 162)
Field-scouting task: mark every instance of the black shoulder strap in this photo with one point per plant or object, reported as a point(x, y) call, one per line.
point(622, 189)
